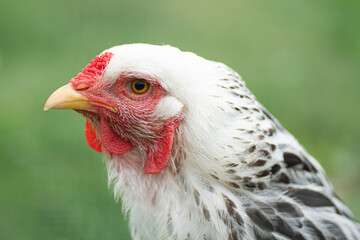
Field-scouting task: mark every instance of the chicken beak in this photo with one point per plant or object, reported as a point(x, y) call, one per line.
point(67, 98)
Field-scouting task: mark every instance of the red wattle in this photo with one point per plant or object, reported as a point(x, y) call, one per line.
point(158, 155)
point(111, 141)
point(91, 137)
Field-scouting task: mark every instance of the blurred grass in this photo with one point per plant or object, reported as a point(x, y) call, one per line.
point(300, 58)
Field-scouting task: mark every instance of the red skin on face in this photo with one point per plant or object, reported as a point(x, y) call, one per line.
point(140, 106)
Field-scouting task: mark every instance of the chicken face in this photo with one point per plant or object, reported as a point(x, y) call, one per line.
point(121, 106)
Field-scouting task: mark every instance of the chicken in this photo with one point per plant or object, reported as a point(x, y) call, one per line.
point(193, 154)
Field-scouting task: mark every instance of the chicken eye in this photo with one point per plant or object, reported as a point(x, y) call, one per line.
point(139, 86)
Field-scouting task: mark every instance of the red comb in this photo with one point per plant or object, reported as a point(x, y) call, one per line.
point(95, 68)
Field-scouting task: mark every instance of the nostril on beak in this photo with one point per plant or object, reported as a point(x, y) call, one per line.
point(81, 87)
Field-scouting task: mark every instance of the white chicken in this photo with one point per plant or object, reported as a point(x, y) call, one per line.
point(193, 154)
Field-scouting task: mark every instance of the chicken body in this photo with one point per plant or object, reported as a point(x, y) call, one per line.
point(196, 156)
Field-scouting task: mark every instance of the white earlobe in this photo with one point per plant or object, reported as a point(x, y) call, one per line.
point(167, 107)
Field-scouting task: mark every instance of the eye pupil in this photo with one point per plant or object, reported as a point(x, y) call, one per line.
point(139, 85)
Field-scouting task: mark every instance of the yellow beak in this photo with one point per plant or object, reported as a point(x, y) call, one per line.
point(67, 98)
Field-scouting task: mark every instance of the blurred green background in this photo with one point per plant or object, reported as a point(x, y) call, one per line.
point(300, 58)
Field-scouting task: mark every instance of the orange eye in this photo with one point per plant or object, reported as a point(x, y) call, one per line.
point(139, 86)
